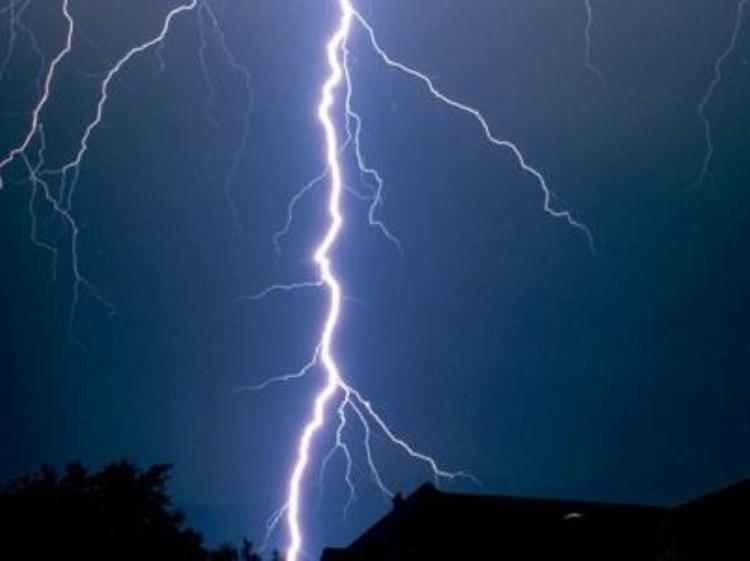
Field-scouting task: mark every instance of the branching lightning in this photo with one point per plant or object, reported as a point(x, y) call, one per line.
point(547, 195)
point(36, 172)
point(237, 67)
point(312, 363)
point(709, 93)
point(280, 234)
point(33, 41)
point(341, 445)
point(39, 175)
point(353, 135)
point(70, 171)
point(336, 401)
point(370, 176)
point(35, 115)
point(335, 388)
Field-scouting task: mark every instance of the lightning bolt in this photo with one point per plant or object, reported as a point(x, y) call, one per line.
point(72, 167)
point(39, 175)
point(353, 133)
point(211, 32)
point(36, 112)
point(335, 388)
point(709, 93)
point(35, 173)
point(237, 67)
point(336, 398)
point(489, 135)
point(595, 70)
point(334, 381)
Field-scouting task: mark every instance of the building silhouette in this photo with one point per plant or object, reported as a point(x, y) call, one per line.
point(434, 525)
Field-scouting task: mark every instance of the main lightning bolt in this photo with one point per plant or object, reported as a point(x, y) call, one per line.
point(334, 381)
point(335, 386)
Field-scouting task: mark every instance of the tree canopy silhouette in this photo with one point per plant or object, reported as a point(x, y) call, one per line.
point(118, 513)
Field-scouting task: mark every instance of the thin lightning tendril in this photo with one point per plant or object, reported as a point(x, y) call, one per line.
point(593, 68)
point(65, 214)
point(62, 203)
point(280, 234)
point(36, 185)
point(72, 167)
point(211, 30)
point(34, 42)
point(285, 377)
point(272, 523)
point(36, 178)
point(341, 445)
point(236, 66)
point(547, 195)
point(366, 442)
point(202, 49)
point(12, 34)
point(36, 112)
point(709, 93)
point(282, 288)
point(366, 172)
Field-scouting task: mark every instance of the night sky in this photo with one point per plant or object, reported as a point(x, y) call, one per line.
point(498, 342)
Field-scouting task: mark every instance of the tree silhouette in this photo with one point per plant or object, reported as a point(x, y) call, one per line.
point(118, 513)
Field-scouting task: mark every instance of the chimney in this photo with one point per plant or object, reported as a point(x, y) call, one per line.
point(398, 501)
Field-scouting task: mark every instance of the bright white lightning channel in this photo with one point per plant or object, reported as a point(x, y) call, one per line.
point(708, 132)
point(339, 77)
point(322, 258)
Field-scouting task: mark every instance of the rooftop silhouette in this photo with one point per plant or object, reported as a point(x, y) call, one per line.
point(433, 524)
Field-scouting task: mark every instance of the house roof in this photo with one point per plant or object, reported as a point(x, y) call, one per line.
point(429, 518)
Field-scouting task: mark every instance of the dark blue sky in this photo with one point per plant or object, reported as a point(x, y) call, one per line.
point(498, 343)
